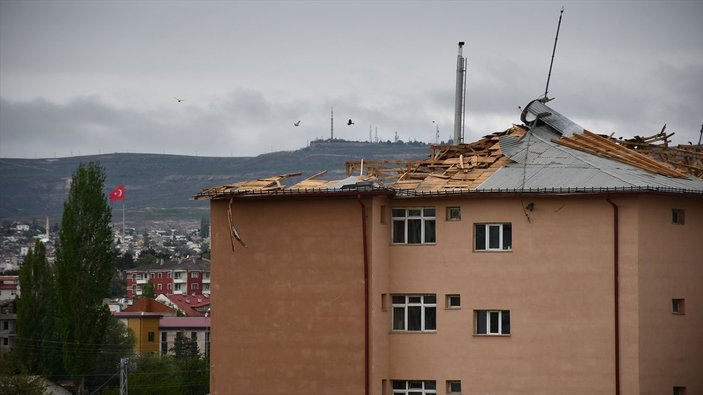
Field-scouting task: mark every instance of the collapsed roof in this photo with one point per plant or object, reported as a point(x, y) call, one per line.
point(547, 153)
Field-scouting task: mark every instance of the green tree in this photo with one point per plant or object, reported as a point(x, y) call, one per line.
point(83, 271)
point(119, 343)
point(204, 227)
point(37, 340)
point(148, 290)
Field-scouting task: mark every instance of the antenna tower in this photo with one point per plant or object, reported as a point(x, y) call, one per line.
point(331, 123)
point(551, 63)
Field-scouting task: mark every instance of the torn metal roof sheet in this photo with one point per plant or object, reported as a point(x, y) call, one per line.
point(549, 153)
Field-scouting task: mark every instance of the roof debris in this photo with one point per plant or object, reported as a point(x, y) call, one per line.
point(547, 153)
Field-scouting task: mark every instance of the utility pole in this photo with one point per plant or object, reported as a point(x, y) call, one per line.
point(124, 368)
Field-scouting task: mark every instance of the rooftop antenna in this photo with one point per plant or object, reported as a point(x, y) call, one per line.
point(551, 63)
point(459, 98)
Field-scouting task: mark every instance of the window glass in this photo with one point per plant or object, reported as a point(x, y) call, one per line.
point(414, 231)
point(398, 231)
point(430, 231)
point(414, 318)
point(480, 237)
point(428, 212)
point(493, 317)
point(505, 322)
point(398, 318)
point(481, 322)
point(493, 237)
point(414, 212)
point(507, 236)
point(430, 318)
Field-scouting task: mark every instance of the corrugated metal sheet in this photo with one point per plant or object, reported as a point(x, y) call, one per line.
point(540, 163)
point(560, 123)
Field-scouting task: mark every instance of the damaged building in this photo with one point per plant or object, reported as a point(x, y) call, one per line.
point(544, 259)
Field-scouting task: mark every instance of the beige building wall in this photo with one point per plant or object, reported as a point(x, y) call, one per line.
point(290, 315)
point(556, 284)
point(671, 267)
point(289, 306)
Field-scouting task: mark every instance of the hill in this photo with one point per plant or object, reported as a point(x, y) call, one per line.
point(159, 187)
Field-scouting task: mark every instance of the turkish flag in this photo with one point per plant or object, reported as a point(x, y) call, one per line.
point(117, 193)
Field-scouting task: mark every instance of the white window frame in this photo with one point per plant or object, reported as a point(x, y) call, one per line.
point(194, 275)
point(425, 216)
point(414, 387)
point(487, 234)
point(194, 286)
point(490, 330)
point(449, 299)
point(413, 301)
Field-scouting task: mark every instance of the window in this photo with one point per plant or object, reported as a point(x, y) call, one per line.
point(164, 343)
point(678, 390)
point(194, 336)
point(453, 301)
point(206, 287)
point(207, 343)
point(677, 216)
point(153, 276)
point(413, 225)
point(492, 322)
point(678, 306)
point(193, 286)
point(194, 275)
point(5, 325)
point(168, 274)
point(169, 285)
point(453, 387)
point(493, 237)
point(414, 313)
point(414, 387)
point(5, 341)
point(134, 276)
point(159, 286)
point(150, 337)
point(161, 275)
point(178, 287)
point(134, 288)
point(177, 275)
point(453, 214)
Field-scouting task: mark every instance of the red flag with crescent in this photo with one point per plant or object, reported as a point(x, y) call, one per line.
point(117, 193)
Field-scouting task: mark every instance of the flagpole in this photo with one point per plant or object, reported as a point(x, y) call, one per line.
point(123, 233)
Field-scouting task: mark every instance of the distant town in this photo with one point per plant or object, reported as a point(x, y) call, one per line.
point(178, 240)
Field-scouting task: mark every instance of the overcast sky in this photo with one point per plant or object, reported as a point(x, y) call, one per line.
point(89, 77)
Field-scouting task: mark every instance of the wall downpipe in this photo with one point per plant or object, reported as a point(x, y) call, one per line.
point(616, 286)
point(367, 312)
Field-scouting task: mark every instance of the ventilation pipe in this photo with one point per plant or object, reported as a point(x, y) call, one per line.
point(459, 98)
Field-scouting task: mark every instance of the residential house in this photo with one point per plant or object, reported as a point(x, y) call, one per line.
point(9, 286)
point(145, 327)
point(182, 276)
point(8, 325)
point(194, 328)
point(142, 318)
point(188, 305)
point(542, 259)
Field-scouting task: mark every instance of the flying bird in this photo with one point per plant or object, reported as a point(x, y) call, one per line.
point(296, 123)
point(349, 123)
point(177, 99)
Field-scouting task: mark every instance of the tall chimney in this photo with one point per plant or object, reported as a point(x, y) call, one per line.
point(459, 98)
